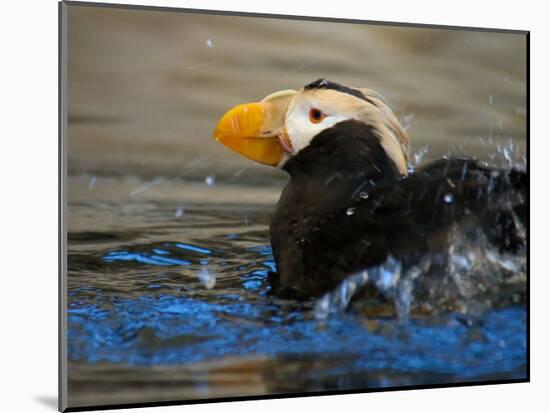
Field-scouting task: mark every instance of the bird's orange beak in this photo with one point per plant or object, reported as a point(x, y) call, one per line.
point(255, 129)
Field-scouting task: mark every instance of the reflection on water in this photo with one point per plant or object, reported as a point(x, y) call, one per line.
point(156, 299)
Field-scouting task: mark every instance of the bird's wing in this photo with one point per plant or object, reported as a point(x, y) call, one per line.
point(405, 218)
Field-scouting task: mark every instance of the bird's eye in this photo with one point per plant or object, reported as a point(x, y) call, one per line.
point(315, 115)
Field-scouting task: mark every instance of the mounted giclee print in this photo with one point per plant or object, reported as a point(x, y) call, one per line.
point(258, 206)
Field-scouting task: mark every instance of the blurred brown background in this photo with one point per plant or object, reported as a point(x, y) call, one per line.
point(147, 87)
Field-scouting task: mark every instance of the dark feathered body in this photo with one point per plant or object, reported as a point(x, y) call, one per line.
point(347, 207)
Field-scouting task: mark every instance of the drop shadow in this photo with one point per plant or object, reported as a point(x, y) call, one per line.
point(48, 401)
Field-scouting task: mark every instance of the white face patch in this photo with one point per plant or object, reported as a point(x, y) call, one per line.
point(299, 127)
point(336, 107)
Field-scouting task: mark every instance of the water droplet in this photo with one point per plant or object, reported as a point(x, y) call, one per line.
point(448, 198)
point(210, 43)
point(210, 180)
point(350, 211)
point(419, 155)
point(206, 278)
point(179, 212)
point(363, 195)
point(407, 121)
point(91, 184)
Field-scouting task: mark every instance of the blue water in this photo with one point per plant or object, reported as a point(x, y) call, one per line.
point(115, 335)
point(176, 299)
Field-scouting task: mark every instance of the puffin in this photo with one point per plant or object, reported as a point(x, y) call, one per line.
point(353, 201)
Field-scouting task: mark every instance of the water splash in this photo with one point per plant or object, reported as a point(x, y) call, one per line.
point(481, 274)
point(406, 121)
point(207, 278)
point(148, 185)
point(339, 299)
point(507, 152)
point(92, 182)
point(210, 180)
point(472, 276)
point(419, 155)
point(386, 277)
